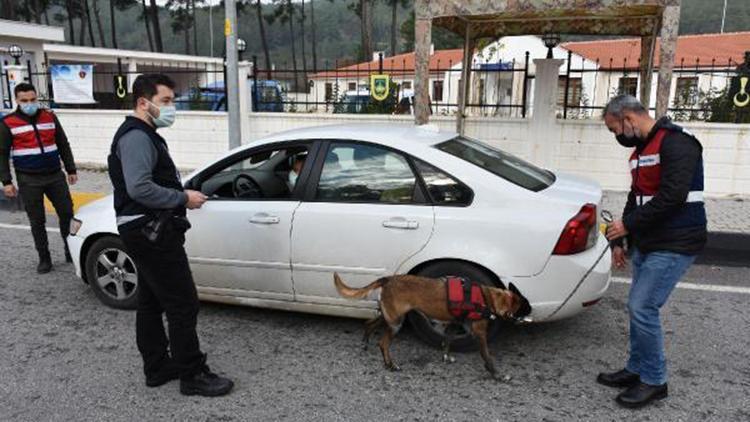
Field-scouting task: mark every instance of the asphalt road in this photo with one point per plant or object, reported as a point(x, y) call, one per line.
point(67, 357)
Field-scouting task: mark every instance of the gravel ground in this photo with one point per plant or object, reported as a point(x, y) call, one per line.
point(67, 357)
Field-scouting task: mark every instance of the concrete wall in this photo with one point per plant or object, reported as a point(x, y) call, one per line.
point(580, 147)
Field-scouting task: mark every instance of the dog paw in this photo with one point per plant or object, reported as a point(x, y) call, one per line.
point(448, 359)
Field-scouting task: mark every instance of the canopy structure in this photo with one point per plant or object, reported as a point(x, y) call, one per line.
point(477, 19)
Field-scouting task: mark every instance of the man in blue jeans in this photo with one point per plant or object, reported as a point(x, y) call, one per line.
point(664, 222)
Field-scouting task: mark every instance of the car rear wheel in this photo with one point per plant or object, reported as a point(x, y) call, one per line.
point(433, 332)
point(112, 273)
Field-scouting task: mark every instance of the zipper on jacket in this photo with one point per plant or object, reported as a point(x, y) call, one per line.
point(38, 137)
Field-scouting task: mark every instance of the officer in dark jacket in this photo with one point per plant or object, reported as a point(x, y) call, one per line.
point(35, 140)
point(664, 222)
point(150, 205)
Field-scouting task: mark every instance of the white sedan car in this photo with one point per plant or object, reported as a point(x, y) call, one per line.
point(370, 200)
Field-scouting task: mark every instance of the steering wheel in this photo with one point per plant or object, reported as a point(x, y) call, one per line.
point(244, 186)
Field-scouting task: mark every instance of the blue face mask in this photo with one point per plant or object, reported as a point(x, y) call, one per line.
point(29, 109)
point(167, 115)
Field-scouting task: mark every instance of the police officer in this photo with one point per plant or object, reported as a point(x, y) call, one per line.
point(150, 205)
point(35, 140)
point(665, 223)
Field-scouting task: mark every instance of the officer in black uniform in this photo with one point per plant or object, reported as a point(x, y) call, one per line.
point(150, 204)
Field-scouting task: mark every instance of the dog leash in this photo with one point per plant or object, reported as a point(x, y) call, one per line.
point(608, 218)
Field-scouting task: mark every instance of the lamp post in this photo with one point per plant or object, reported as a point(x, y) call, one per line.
point(241, 47)
point(16, 52)
point(550, 41)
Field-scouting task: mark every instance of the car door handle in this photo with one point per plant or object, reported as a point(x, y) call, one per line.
point(401, 223)
point(263, 218)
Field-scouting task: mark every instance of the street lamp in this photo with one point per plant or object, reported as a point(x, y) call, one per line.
point(550, 41)
point(16, 52)
point(241, 47)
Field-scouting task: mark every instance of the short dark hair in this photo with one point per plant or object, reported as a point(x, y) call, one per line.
point(145, 86)
point(23, 87)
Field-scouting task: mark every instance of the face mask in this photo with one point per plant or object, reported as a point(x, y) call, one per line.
point(292, 178)
point(628, 138)
point(30, 109)
point(167, 115)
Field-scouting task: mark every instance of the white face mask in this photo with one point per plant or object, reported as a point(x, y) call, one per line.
point(167, 115)
point(292, 178)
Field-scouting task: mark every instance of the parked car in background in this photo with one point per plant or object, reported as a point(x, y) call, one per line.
point(268, 95)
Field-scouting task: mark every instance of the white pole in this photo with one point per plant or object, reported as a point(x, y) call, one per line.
point(724, 16)
point(232, 82)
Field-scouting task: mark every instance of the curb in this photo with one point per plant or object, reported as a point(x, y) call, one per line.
point(79, 199)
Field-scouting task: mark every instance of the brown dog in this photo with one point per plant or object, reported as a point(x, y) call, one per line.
point(404, 293)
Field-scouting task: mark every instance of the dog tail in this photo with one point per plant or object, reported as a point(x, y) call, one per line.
point(360, 293)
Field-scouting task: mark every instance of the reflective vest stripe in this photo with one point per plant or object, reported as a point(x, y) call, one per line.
point(693, 196)
point(46, 126)
point(21, 129)
point(32, 151)
point(646, 161)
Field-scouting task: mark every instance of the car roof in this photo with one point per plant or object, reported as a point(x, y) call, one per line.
point(394, 135)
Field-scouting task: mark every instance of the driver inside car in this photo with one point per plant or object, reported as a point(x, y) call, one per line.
point(297, 164)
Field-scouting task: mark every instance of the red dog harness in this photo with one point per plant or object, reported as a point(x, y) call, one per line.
point(465, 300)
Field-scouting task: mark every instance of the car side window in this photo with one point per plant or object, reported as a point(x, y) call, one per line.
point(264, 175)
point(365, 173)
point(443, 188)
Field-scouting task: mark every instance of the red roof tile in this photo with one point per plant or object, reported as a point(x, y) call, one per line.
point(704, 48)
point(402, 64)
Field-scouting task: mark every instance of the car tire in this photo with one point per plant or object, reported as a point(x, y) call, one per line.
point(112, 273)
point(430, 331)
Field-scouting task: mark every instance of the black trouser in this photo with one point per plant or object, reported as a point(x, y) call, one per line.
point(32, 188)
point(165, 285)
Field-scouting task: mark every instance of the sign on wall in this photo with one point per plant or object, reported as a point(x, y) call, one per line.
point(73, 83)
point(379, 87)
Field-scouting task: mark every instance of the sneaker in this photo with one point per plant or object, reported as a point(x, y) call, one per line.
point(619, 379)
point(206, 383)
point(166, 373)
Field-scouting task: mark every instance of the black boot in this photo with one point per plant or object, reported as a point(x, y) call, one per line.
point(45, 263)
point(642, 394)
point(622, 378)
point(166, 373)
point(206, 383)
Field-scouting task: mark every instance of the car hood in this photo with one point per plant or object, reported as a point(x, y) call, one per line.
point(98, 216)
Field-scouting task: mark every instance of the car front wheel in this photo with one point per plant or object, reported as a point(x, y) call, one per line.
point(433, 332)
point(112, 273)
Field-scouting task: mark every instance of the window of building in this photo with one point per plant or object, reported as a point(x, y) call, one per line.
point(352, 86)
point(437, 91)
point(628, 86)
point(329, 91)
point(575, 90)
point(687, 91)
point(406, 85)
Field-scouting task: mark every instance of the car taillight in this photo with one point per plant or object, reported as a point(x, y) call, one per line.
point(579, 233)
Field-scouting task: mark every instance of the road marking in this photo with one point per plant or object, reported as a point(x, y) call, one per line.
point(694, 286)
point(79, 199)
point(22, 227)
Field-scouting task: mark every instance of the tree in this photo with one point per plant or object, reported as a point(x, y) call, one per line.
point(314, 42)
point(363, 9)
point(87, 14)
point(263, 39)
point(146, 17)
point(154, 14)
point(395, 4)
point(98, 17)
point(182, 19)
point(302, 40)
point(441, 38)
point(285, 14)
point(120, 5)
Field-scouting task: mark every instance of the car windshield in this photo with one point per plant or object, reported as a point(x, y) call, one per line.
point(507, 166)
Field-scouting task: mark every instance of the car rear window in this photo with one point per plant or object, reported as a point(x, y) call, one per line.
point(507, 166)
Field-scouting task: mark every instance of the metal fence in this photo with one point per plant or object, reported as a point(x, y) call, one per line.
point(337, 88)
point(197, 88)
point(699, 90)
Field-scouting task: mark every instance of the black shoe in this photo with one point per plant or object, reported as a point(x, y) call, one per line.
point(166, 373)
point(206, 383)
point(45, 263)
point(622, 378)
point(642, 394)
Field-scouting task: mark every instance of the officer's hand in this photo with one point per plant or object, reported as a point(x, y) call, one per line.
point(616, 230)
point(72, 179)
point(618, 257)
point(10, 191)
point(195, 199)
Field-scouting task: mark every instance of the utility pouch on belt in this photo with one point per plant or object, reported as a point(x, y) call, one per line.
point(164, 224)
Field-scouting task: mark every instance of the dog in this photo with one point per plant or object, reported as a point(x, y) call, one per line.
point(401, 294)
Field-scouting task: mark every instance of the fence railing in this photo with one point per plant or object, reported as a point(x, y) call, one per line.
point(336, 88)
point(197, 88)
